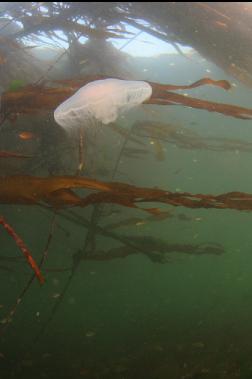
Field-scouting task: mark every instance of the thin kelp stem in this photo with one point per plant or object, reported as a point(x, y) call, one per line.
point(170, 98)
point(88, 249)
point(34, 99)
point(157, 88)
point(26, 252)
point(8, 318)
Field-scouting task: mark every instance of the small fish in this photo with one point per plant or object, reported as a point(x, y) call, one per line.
point(26, 136)
point(142, 222)
point(56, 295)
point(84, 61)
point(90, 333)
point(221, 24)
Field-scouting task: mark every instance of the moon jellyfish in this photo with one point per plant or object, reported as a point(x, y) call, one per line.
point(101, 100)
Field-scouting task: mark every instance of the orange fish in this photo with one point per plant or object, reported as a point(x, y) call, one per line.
point(26, 136)
point(221, 24)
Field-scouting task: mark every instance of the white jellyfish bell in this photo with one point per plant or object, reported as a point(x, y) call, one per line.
point(102, 101)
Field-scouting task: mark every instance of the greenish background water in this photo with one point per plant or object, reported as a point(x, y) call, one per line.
point(131, 318)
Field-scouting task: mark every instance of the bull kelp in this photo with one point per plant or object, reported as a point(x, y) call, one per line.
point(125, 190)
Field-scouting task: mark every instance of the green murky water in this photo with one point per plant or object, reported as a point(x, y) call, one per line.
point(189, 318)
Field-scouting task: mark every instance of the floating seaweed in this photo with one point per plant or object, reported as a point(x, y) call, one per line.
point(137, 221)
point(23, 248)
point(34, 99)
point(57, 192)
point(186, 138)
point(155, 249)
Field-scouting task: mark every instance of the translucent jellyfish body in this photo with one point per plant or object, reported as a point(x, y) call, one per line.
point(101, 100)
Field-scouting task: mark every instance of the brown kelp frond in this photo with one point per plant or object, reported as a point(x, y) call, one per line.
point(185, 138)
point(20, 243)
point(137, 221)
point(58, 192)
point(51, 190)
point(169, 98)
point(9, 316)
point(37, 98)
point(155, 249)
point(33, 99)
point(201, 82)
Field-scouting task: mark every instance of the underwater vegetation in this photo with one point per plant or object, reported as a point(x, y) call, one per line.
point(57, 192)
point(34, 99)
point(34, 111)
point(102, 100)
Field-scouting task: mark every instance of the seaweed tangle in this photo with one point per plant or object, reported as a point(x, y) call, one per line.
point(57, 192)
point(34, 99)
point(155, 249)
point(186, 138)
point(20, 243)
